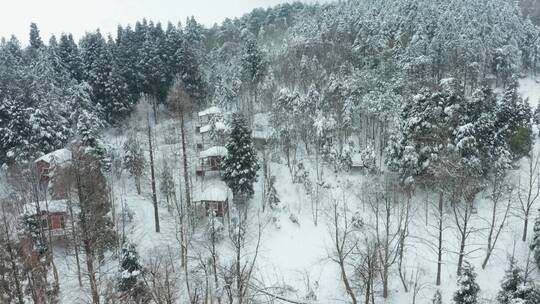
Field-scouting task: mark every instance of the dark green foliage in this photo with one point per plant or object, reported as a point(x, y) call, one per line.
point(130, 268)
point(32, 227)
point(241, 165)
point(468, 289)
point(516, 288)
point(253, 64)
point(521, 142)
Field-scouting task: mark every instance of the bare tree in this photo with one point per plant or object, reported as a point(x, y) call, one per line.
point(161, 277)
point(152, 172)
point(11, 272)
point(384, 204)
point(182, 103)
point(344, 244)
point(529, 190)
point(238, 277)
point(499, 212)
point(366, 268)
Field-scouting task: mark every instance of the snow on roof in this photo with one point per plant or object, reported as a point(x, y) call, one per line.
point(214, 151)
point(52, 206)
point(261, 118)
point(216, 191)
point(266, 134)
point(356, 160)
point(59, 156)
point(261, 126)
point(210, 111)
point(219, 125)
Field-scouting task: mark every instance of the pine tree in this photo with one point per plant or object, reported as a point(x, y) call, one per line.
point(468, 289)
point(240, 165)
point(254, 68)
point(190, 73)
point(97, 66)
point(70, 56)
point(134, 160)
point(130, 268)
point(167, 186)
point(36, 44)
point(513, 278)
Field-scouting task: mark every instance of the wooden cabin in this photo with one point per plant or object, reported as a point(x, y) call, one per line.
point(212, 133)
point(262, 130)
point(206, 116)
point(210, 160)
point(212, 198)
point(53, 216)
point(49, 163)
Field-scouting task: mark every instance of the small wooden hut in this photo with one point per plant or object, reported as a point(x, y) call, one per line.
point(213, 198)
point(210, 160)
point(53, 216)
point(48, 164)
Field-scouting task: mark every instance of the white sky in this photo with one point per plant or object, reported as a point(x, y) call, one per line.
point(79, 16)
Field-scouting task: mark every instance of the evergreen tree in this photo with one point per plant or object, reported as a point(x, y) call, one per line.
point(36, 45)
point(468, 289)
point(240, 165)
point(190, 73)
point(514, 117)
point(513, 278)
point(119, 100)
point(134, 160)
point(130, 268)
point(96, 60)
point(70, 56)
point(88, 128)
point(254, 68)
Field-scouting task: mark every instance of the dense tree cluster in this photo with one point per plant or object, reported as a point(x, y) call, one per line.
point(53, 92)
point(355, 58)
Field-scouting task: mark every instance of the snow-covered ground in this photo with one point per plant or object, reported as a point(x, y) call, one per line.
point(296, 255)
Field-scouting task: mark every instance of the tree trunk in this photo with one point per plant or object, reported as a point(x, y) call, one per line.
point(185, 161)
point(525, 226)
point(153, 178)
point(91, 272)
point(439, 247)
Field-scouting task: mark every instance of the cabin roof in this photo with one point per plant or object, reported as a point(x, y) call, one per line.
point(216, 191)
point(210, 111)
point(59, 157)
point(262, 128)
point(356, 159)
point(214, 151)
point(52, 206)
point(219, 125)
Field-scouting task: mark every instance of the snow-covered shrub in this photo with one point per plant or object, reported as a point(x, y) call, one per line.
point(437, 298)
point(468, 289)
point(369, 159)
point(130, 268)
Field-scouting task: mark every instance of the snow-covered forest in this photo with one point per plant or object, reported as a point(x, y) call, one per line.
point(356, 151)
